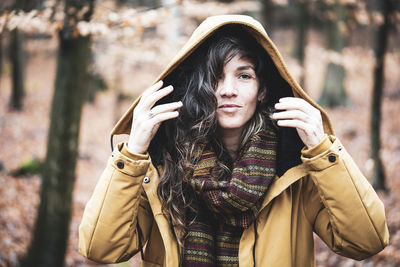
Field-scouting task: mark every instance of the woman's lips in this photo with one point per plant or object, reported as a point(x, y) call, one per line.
point(229, 107)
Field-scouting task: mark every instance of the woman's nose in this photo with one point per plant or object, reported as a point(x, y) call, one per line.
point(226, 87)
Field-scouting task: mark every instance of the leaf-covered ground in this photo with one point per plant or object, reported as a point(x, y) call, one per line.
point(128, 69)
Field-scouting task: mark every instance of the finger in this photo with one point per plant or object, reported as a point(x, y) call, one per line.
point(154, 88)
point(165, 116)
point(150, 100)
point(296, 124)
point(165, 108)
point(293, 99)
point(290, 103)
point(293, 114)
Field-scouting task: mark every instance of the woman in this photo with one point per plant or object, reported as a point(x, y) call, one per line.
point(229, 163)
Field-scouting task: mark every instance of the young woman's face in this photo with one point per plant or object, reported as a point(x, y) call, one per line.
point(237, 94)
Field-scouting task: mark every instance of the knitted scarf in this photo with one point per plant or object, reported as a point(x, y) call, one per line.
point(226, 208)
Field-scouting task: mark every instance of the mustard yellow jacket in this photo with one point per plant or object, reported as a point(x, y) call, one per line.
point(323, 192)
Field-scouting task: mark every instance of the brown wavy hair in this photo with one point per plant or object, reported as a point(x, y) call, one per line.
point(194, 82)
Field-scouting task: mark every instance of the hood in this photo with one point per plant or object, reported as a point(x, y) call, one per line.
point(285, 82)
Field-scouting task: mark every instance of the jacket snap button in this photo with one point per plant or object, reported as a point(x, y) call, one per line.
point(146, 179)
point(331, 158)
point(120, 164)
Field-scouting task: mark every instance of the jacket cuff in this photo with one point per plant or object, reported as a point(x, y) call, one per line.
point(129, 163)
point(323, 146)
point(134, 156)
point(329, 157)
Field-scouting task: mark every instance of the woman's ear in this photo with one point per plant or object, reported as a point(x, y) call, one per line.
point(261, 94)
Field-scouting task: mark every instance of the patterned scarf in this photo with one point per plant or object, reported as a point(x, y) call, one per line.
point(226, 208)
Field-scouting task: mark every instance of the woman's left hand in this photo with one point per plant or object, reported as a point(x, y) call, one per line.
point(298, 113)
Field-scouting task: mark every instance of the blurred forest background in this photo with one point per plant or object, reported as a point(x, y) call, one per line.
point(70, 68)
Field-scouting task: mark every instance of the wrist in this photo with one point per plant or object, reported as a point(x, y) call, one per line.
point(319, 148)
point(133, 156)
point(133, 149)
point(315, 141)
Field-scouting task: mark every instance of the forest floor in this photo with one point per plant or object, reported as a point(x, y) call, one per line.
point(23, 135)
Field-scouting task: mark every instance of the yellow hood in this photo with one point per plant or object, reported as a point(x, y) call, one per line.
point(206, 29)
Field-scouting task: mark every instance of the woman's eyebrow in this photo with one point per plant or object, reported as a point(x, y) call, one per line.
point(245, 67)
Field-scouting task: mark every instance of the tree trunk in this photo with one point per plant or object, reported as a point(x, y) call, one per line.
point(17, 55)
point(381, 40)
point(334, 93)
point(302, 26)
point(1, 57)
point(174, 23)
point(51, 232)
point(267, 16)
point(140, 3)
point(17, 62)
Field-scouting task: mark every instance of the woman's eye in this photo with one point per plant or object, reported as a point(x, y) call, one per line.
point(244, 76)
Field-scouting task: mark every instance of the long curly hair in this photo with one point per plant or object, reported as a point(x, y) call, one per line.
point(194, 82)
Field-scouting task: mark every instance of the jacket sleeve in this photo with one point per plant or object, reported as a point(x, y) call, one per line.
point(109, 230)
point(341, 204)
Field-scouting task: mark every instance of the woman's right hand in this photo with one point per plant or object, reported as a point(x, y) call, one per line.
point(147, 119)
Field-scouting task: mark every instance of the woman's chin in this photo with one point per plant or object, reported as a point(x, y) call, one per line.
point(230, 127)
